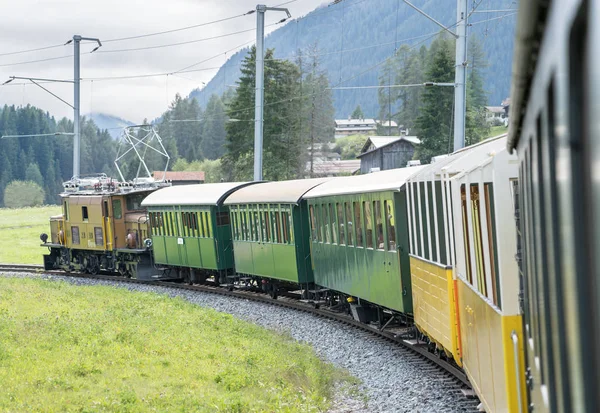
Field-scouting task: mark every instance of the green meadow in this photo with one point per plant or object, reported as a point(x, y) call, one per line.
point(20, 231)
point(66, 348)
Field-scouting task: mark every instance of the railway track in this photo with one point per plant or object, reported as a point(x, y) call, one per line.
point(456, 379)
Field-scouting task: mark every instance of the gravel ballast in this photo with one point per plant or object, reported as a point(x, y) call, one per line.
point(391, 379)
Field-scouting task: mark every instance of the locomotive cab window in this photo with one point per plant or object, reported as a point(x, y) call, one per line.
point(84, 213)
point(117, 211)
point(66, 210)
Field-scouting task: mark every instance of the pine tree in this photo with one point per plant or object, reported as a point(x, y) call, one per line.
point(214, 133)
point(32, 173)
point(281, 142)
point(434, 123)
point(358, 113)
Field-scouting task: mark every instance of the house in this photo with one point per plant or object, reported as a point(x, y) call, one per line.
point(180, 177)
point(387, 152)
point(346, 127)
point(388, 127)
point(495, 113)
point(334, 168)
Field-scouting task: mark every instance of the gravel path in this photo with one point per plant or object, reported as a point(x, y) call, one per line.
point(391, 380)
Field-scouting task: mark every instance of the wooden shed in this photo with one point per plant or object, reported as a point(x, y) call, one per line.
point(387, 152)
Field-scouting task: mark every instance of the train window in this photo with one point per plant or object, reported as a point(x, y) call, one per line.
point(105, 203)
point(291, 227)
point(465, 220)
point(391, 224)
point(491, 230)
point(66, 211)
point(349, 226)
point(84, 213)
point(313, 223)
point(222, 219)
point(340, 222)
point(256, 226)
point(184, 224)
point(327, 223)
point(117, 211)
point(319, 222)
point(209, 228)
point(277, 226)
point(75, 235)
point(267, 225)
point(477, 239)
point(358, 225)
point(244, 223)
point(334, 226)
point(368, 224)
point(134, 202)
point(379, 225)
point(98, 236)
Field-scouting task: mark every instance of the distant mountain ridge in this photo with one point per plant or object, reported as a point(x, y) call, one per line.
point(113, 124)
point(369, 32)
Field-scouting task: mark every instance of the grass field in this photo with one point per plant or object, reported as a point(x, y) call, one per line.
point(497, 130)
point(20, 231)
point(92, 349)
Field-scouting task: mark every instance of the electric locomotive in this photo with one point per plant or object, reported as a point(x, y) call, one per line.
point(103, 227)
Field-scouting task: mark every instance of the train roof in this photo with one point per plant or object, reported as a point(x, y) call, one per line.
point(392, 179)
point(284, 192)
point(198, 194)
point(464, 159)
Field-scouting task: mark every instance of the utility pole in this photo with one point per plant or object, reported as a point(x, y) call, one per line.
point(460, 72)
point(77, 99)
point(260, 86)
point(460, 77)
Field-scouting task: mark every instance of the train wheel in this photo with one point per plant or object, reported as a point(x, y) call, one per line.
point(273, 292)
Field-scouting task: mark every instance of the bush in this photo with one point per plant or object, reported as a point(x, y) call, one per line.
point(19, 194)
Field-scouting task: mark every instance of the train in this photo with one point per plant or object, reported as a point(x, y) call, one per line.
point(488, 253)
point(425, 246)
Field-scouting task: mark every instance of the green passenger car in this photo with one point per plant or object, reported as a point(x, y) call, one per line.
point(359, 237)
point(190, 229)
point(270, 231)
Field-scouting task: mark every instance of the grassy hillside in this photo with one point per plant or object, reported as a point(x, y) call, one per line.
point(73, 348)
point(20, 231)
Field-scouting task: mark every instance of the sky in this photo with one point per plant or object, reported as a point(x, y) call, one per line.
point(32, 24)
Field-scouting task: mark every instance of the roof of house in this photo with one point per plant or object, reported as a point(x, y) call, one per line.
point(286, 192)
point(389, 180)
point(381, 141)
point(388, 123)
point(179, 175)
point(336, 167)
point(354, 122)
point(198, 194)
point(495, 109)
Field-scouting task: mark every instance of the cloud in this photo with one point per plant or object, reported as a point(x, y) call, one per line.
point(37, 23)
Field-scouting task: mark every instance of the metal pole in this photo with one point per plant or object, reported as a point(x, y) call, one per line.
point(460, 78)
point(76, 105)
point(260, 89)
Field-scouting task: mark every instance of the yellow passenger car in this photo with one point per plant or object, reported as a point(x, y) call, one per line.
point(464, 275)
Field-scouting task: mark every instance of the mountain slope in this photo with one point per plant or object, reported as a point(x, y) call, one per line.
point(113, 124)
point(368, 32)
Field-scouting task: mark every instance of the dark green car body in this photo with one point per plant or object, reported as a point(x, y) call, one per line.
point(360, 240)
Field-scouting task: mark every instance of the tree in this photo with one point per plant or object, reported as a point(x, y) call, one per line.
point(434, 123)
point(358, 113)
point(317, 113)
point(477, 127)
point(20, 194)
point(349, 147)
point(213, 172)
point(32, 173)
point(282, 155)
point(214, 133)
